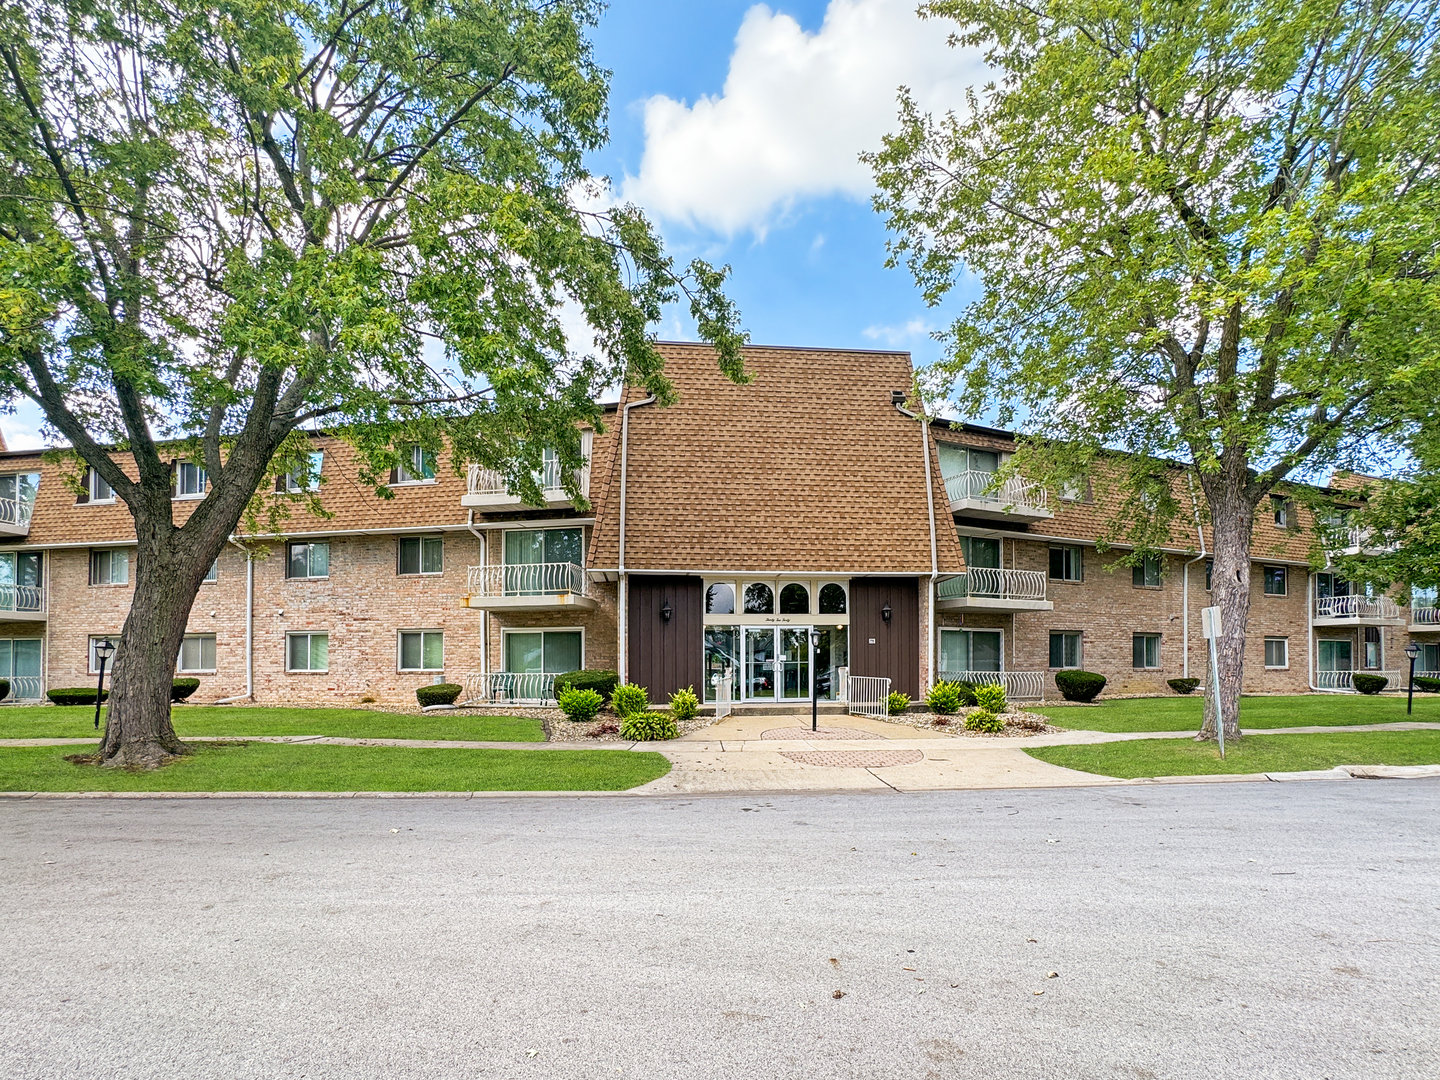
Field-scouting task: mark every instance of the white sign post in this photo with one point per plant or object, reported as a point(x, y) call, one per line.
point(1210, 631)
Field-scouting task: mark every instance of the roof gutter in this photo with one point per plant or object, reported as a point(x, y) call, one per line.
point(623, 590)
point(934, 554)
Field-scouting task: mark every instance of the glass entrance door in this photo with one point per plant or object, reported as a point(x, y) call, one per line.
point(759, 663)
point(794, 663)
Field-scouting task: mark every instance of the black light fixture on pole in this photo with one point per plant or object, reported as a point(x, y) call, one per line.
point(814, 682)
point(104, 649)
point(1412, 651)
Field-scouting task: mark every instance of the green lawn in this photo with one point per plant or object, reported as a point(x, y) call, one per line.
point(77, 722)
point(278, 767)
point(1183, 713)
point(1253, 754)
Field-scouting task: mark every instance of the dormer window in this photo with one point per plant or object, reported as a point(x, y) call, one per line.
point(303, 480)
point(190, 480)
point(417, 466)
point(96, 489)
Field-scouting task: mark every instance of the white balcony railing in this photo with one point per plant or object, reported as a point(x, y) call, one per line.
point(975, 485)
point(16, 512)
point(1017, 684)
point(527, 579)
point(27, 598)
point(1425, 616)
point(1356, 607)
point(24, 688)
point(1341, 680)
point(509, 686)
point(491, 483)
point(990, 583)
point(868, 696)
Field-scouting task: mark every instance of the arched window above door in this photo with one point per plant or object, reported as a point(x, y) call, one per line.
point(794, 599)
point(832, 599)
point(720, 599)
point(759, 599)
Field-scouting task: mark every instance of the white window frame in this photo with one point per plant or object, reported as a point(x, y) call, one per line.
point(1285, 647)
point(317, 465)
point(307, 634)
point(93, 481)
point(200, 475)
point(404, 477)
point(1159, 664)
point(110, 554)
point(423, 540)
point(769, 583)
point(308, 576)
point(1144, 566)
point(93, 665)
point(215, 648)
point(213, 574)
point(940, 631)
point(505, 647)
point(400, 651)
point(1079, 552)
point(1079, 650)
point(812, 595)
point(820, 584)
point(735, 597)
point(1285, 572)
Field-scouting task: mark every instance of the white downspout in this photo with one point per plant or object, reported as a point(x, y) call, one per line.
point(249, 628)
point(1185, 583)
point(484, 615)
point(1310, 631)
point(623, 587)
point(934, 559)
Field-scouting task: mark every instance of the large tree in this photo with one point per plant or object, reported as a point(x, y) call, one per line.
point(1203, 231)
point(222, 223)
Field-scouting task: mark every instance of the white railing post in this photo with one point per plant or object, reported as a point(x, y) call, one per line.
point(724, 694)
point(869, 696)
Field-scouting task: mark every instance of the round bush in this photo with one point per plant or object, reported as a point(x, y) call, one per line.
point(943, 698)
point(630, 699)
point(75, 695)
point(990, 698)
point(181, 689)
point(1079, 685)
point(1429, 685)
point(984, 721)
point(443, 693)
point(1369, 684)
point(897, 702)
point(1183, 686)
point(648, 726)
point(601, 681)
point(4, 689)
point(684, 705)
point(580, 706)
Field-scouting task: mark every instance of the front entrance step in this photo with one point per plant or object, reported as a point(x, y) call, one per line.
point(789, 708)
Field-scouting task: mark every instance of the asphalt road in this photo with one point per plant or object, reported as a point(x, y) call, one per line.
point(1220, 931)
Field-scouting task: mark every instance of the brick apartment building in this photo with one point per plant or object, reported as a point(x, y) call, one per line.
point(721, 529)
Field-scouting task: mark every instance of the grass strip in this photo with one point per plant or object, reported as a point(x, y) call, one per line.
point(279, 767)
point(77, 722)
point(1252, 754)
point(1183, 713)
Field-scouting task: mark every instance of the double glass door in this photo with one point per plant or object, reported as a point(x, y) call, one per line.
point(777, 663)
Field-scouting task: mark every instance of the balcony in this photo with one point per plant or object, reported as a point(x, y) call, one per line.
point(560, 586)
point(485, 488)
point(1017, 684)
point(1424, 620)
point(17, 502)
point(1357, 611)
point(509, 687)
point(987, 589)
point(1341, 680)
point(22, 603)
point(1014, 500)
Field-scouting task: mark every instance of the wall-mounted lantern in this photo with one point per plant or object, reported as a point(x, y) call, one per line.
point(885, 613)
point(666, 611)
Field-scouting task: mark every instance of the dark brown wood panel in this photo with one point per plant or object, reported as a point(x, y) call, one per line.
point(886, 650)
point(666, 656)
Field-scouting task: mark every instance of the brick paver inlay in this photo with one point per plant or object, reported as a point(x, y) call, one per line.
point(854, 759)
point(797, 733)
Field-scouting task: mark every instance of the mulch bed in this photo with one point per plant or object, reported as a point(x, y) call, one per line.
point(604, 728)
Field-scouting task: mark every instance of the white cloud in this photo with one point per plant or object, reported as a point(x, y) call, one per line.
point(796, 110)
point(896, 336)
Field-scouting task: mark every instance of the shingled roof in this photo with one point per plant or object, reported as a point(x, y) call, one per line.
point(808, 468)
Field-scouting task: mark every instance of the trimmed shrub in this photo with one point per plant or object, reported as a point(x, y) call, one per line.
point(1183, 686)
point(648, 726)
point(601, 681)
point(629, 699)
point(1369, 684)
point(967, 693)
point(1079, 685)
point(580, 706)
point(944, 697)
point(984, 721)
point(1429, 685)
point(684, 705)
point(180, 689)
point(897, 702)
point(75, 695)
point(443, 693)
point(990, 698)
point(4, 689)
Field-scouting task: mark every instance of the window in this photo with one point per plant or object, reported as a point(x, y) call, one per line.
point(422, 554)
point(1064, 650)
point(1067, 563)
point(1209, 573)
point(417, 466)
point(95, 640)
point(1274, 581)
point(529, 546)
point(1146, 573)
point(307, 479)
point(308, 560)
point(794, 599)
point(832, 599)
point(720, 599)
point(980, 552)
point(1144, 649)
point(1280, 510)
point(1075, 491)
point(307, 652)
point(96, 489)
point(197, 653)
point(1429, 658)
point(759, 599)
point(110, 566)
point(1372, 648)
point(20, 663)
point(422, 650)
point(1277, 652)
point(1329, 585)
point(189, 481)
point(21, 574)
point(17, 497)
point(548, 651)
point(213, 574)
point(1422, 597)
point(1334, 655)
point(969, 650)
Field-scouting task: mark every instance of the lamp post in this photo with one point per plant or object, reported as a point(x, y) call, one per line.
point(104, 649)
point(1412, 651)
point(814, 682)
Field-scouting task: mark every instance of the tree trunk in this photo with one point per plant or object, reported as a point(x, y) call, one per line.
point(1232, 515)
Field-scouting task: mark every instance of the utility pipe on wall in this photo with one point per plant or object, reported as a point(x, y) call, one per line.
point(484, 615)
point(623, 586)
point(930, 634)
point(249, 628)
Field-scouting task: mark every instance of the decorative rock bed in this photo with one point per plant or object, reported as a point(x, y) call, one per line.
point(1018, 725)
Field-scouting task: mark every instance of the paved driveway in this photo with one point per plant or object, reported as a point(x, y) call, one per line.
point(1236, 930)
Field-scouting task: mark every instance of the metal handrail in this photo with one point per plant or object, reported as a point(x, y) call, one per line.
point(1425, 616)
point(868, 696)
point(1341, 680)
point(24, 688)
point(980, 485)
point(1356, 607)
point(724, 695)
point(22, 598)
point(16, 511)
point(989, 582)
point(491, 686)
point(527, 579)
point(1017, 684)
point(550, 478)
